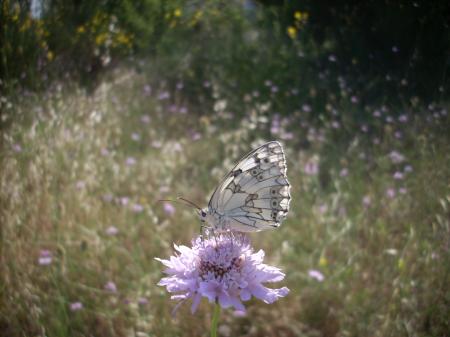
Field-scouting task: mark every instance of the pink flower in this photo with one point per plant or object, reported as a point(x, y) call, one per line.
point(111, 230)
point(408, 169)
point(147, 90)
point(222, 268)
point(130, 161)
point(311, 168)
point(111, 286)
point(196, 136)
point(135, 136)
point(45, 257)
point(142, 301)
point(75, 306)
point(17, 148)
point(169, 209)
point(396, 157)
point(344, 172)
point(306, 108)
point(124, 201)
point(145, 119)
point(366, 200)
point(315, 274)
point(402, 190)
point(137, 208)
point(390, 193)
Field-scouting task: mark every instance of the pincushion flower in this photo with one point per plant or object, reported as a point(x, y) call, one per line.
point(222, 268)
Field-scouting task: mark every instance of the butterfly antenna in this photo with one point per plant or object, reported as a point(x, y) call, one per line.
point(186, 202)
point(189, 203)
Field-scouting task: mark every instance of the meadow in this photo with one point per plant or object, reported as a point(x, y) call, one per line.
point(365, 247)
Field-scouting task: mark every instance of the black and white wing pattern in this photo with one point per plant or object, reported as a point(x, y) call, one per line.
point(254, 196)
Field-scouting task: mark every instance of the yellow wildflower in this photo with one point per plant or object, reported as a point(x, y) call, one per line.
point(122, 38)
point(292, 32)
point(50, 55)
point(323, 261)
point(177, 13)
point(100, 39)
point(298, 15)
point(81, 29)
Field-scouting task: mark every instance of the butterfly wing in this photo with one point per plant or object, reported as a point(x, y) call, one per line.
point(254, 196)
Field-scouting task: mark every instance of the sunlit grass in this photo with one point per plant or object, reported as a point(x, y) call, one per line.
point(81, 177)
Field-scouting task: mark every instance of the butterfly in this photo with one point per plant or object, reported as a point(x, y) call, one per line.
point(253, 196)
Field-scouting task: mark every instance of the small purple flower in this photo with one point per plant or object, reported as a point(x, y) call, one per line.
point(398, 175)
point(306, 108)
point(376, 113)
point(315, 274)
point(111, 286)
point(112, 230)
point(45, 257)
point(145, 119)
point(354, 99)
point(130, 161)
point(323, 208)
point(335, 125)
point(169, 209)
point(137, 208)
point(80, 184)
point(17, 148)
point(332, 58)
point(396, 157)
point(142, 301)
point(163, 95)
point(196, 136)
point(75, 306)
point(408, 169)
point(390, 193)
point(402, 190)
point(366, 200)
point(147, 90)
point(135, 136)
point(403, 118)
point(344, 172)
point(311, 168)
point(221, 268)
point(124, 201)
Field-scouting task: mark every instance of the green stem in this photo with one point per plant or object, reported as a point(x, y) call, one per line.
point(215, 320)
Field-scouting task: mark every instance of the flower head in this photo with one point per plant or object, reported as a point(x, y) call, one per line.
point(221, 268)
point(45, 257)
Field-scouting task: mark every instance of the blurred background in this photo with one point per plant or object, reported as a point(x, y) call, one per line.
point(108, 106)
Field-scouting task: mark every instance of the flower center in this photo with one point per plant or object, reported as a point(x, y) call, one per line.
point(218, 269)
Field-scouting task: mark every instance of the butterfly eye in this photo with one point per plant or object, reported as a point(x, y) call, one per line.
point(203, 214)
point(266, 160)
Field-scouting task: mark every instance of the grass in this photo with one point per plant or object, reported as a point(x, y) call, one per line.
point(73, 165)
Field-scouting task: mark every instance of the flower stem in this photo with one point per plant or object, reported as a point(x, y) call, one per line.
point(215, 320)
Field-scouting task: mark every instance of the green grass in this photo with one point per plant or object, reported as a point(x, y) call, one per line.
point(386, 264)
